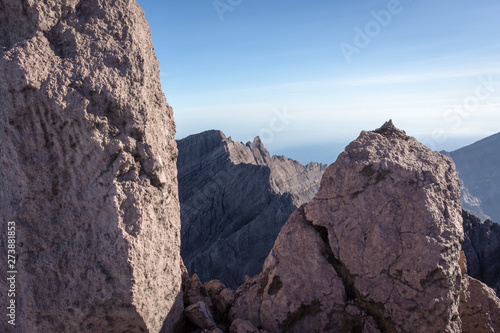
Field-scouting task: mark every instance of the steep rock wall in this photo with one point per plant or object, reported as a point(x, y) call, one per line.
point(87, 168)
point(235, 199)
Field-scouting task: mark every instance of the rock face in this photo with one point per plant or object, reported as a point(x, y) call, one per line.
point(87, 169)
point(482, 249)
point(479, 307)
point(477, 167)
point(235, 199)
point(376, 250)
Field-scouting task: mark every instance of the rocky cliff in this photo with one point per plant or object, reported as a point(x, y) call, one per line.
point(87, 169)
point(477, 166)
point(376, 250)
point(482, 249)
point(235, 198)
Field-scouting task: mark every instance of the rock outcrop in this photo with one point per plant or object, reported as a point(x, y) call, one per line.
point(376, 250)
point(87, 169)
point(477, 166)
point(235, 199)
point(482, 249)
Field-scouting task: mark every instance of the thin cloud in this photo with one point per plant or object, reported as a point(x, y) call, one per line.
point(363, 81)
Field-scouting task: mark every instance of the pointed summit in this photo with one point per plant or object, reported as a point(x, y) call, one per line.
point(388, 129)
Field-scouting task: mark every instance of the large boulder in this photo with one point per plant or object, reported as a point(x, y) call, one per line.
point(376, 250)
point(87, 169)
point(235, 198)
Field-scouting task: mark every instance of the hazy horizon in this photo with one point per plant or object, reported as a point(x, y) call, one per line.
point(303, 76)
point(328, 152)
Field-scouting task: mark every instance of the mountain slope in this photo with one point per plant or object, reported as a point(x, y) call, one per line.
point(482, 249)
point(478, 169)
point(235, 198)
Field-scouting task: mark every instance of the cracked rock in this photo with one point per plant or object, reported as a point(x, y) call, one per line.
point(199, 314)
point(376, 250)
point(98, 234)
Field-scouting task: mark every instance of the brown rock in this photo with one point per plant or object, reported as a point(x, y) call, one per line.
point(462, 262)
point(224, 300)
point(299, 291)
point(391, 208)
point(199, 314)
point(87, 168)
point(377, 249)
point(479, 307)
point(194, 291)
point(242, 326)
point(214, 287)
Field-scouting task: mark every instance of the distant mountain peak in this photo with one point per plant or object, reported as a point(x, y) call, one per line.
point(235, 198)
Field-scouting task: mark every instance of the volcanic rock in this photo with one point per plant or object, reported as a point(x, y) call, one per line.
point(376, 250)
point(87, 169)
point(235, 199)
point(243, 326)
point(479, 307)
point(200, 315)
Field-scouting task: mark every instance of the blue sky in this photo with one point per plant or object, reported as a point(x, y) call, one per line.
point(308, 76)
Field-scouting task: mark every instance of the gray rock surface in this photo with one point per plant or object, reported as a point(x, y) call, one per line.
point(87, 169)
point(479, 307)
point(235, 199)
point(482, 249)
point(376, 250)
point(479, 172)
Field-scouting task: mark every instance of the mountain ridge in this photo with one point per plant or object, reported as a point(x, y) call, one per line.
point(235, 198)
point(478, 169)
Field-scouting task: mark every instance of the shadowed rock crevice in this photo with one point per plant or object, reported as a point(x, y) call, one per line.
point(275, 286)
point(375, 310)
point(304, 310)
point(340, 269)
